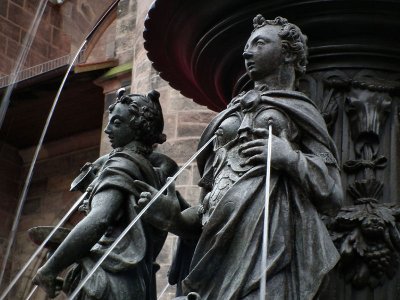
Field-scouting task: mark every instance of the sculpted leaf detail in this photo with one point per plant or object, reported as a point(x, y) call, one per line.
point(368, 240)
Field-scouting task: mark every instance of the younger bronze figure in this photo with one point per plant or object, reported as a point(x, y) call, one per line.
point(135, 125)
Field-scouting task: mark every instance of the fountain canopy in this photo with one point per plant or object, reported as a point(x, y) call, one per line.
point(197, 46)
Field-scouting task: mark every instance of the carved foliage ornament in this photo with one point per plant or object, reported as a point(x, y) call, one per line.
point(366, 233)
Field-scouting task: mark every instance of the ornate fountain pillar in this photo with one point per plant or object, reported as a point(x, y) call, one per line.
point(360, 106)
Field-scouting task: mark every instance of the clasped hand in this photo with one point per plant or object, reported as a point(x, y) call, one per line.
point(164, 211)
point(282, 153)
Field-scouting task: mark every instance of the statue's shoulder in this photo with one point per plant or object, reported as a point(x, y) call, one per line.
point(288, 95)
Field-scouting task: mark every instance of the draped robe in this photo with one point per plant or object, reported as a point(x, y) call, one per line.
point(128, 273)
point(226, 261)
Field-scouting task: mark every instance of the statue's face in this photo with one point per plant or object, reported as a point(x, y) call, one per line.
point(118, 129)
point(263, 52)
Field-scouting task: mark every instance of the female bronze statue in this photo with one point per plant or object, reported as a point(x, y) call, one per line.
point(135, 124)
point(305, 181)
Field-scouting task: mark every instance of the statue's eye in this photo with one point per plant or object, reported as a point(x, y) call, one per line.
point(117, 122)
point(260, 42)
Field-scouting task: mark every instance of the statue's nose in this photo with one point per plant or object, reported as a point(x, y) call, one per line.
point(247, 54)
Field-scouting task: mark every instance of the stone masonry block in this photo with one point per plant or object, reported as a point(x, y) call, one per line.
point(185, 178)
point(179, 150)
point(37, 187)
point(31, 206)
point(56, 18)
point(13, 49)
point(19, 15)
point(60, 39)
point(180, 103)
point(9, 29)
point(81, 21)
point(86, 10)
point(44, 31)
point(170, 126)
point(8, 152)
point(3, 46)
point(3, 8)
point(52, 201)
point(123, 8)
point(5, 66)
point(9, 170)
point(5, 227)
point(125, 27)
point(125, 55)
point(32, 5)
point(35, 58)
point(195, 175)
point(190, 129)
point(40, 45)
point(203, 117)
point(61, 182)
point(193, 195)
point(9, 187)
point(18, 2)
point(7, 202)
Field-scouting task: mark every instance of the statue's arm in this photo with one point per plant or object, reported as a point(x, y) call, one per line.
point(188, 223)
point(317, 178)
point(314, 172)
point(167, 213)
point(105, 207)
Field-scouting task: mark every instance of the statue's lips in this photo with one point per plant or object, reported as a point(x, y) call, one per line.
point(249, 65)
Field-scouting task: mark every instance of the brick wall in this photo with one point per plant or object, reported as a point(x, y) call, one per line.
point(15, 19)
point(10, 171)
point(61, 29)
point(49, 199)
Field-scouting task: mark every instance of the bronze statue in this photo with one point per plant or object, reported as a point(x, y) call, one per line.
point(135, 125)
point(305, 182)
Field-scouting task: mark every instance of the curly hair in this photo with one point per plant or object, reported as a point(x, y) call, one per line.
point(147, 117)
point(293, 40)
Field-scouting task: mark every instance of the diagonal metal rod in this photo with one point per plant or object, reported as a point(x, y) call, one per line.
point(3, 109)
point(163, 291)
point(32, 292)
point(23, 269)
point(4, 106)
point(263, 283)
point(139, 215)
point(22, 199)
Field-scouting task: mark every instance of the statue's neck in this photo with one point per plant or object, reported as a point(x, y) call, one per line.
point(283, 79)
point(138, 147)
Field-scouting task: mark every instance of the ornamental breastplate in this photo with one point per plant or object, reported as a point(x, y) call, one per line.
point(229, 165)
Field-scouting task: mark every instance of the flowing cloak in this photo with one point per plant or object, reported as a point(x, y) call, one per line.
point(226, 263)
point(129, 271)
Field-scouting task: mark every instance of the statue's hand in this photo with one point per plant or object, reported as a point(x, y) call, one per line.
point(282, 153)
point(164, 212)
point(52, 285)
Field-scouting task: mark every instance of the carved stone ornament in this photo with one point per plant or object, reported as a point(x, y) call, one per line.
point(367, 237)
point(366, 233)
